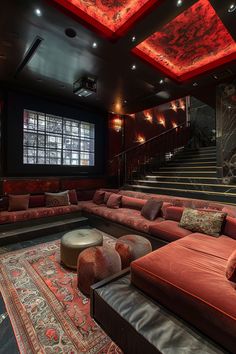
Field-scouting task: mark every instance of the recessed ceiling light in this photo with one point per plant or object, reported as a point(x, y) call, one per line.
point(179, 3)
point(125, 101)
point(161, 82)
point(38, 12)
point(229, 107)
point(133, 39)
point(195, 84)
point(133, 67)
point(232, 7)
point(94, 45)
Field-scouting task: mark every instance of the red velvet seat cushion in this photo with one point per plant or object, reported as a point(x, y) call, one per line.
point(37, 201)
point(35, 213)
point(129, 217)
point(168, 230)
point(231, 267)
point(192, 283)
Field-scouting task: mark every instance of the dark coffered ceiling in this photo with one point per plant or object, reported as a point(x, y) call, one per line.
point(58, 60)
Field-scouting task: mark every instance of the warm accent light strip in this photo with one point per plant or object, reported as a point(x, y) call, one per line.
point(109, 18)
point(194, 42)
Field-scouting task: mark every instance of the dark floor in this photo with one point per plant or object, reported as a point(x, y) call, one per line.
point(8, 343)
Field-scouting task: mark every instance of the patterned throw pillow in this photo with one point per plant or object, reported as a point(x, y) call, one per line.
point(206, 222)
point(57, 199)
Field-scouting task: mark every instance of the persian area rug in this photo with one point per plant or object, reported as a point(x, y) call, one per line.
point(47, 311)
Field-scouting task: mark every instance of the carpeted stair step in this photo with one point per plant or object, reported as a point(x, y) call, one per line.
point(186, 173)
point(190, 164)
point(25, 233)
point(188, 168)
point(229, 198)
point(189, 186)
point(193, 179)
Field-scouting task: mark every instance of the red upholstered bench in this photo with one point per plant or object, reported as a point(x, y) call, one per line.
point(188, 277)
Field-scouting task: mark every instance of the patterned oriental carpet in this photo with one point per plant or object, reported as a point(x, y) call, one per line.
point(47, 311)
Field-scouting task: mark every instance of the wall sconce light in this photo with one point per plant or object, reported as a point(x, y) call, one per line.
point(140, 139)
point(161, 119)
point(174, 125)
point(173, 106)
point(181, 105)
point(117, 124)
point(132, 115)
point(148, 116)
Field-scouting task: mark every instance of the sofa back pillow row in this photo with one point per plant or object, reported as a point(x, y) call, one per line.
point(25, 201)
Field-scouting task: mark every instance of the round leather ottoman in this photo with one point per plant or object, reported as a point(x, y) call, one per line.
point(131, 247)
point(95, 264)
point(74, 242)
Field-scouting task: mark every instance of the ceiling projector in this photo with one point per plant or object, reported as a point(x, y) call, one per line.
point(85, 86)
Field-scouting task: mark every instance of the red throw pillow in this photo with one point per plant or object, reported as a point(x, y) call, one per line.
point(132, 203)
point(18, 202)
point(37, 201)
point(231, 267)
point(73, 196)
point(98, 197)
point(114, 201)
point(229, 228)
point(106, 196)
point(151, 209)
point(174, 213)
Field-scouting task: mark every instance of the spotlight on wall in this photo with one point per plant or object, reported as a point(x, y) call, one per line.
point(148, 116)
point(182, 105)
point(133, 67)
point(94, 45)
point(232, 7)
point(140, 139)
point(179, 3)
point(117, 124)
point(174, 125)
point(133, 39)
point(173, 106)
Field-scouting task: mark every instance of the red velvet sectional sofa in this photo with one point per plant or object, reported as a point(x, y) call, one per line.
point(188, 274)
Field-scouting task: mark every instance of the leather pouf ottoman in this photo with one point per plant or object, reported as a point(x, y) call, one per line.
point(74, 242)
point(131, 247)
point(95, 264)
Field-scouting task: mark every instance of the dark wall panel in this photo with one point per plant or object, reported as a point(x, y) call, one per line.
point(17, 102)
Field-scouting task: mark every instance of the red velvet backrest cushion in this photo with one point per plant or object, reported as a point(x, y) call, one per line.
point(132, 203)
point(86, 194)
point(18, 202)
point(98, 197)
point(174, 213)
point(114, 201)
point(151, 209)
point(229, 228)
point(231, 267)
point(37, 201)
point(73, 196)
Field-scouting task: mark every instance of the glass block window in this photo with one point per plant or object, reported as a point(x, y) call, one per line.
point(52, 140)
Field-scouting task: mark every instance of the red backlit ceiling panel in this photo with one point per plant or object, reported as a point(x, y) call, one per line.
point(112, 18)
point(194, 42)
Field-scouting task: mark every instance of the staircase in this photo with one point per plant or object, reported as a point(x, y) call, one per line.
point(190, 174)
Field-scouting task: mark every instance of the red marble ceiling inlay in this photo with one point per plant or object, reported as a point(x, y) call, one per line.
point(194, 42)
point(111, 18)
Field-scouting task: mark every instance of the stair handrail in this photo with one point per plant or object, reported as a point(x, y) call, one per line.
point(147, 141)
point(125, 164)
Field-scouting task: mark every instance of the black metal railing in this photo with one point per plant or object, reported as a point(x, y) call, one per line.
point(138, 158)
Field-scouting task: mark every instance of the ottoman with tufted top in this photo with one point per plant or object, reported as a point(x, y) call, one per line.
point(95, 264)
point(131, 247)
point(74, 242)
